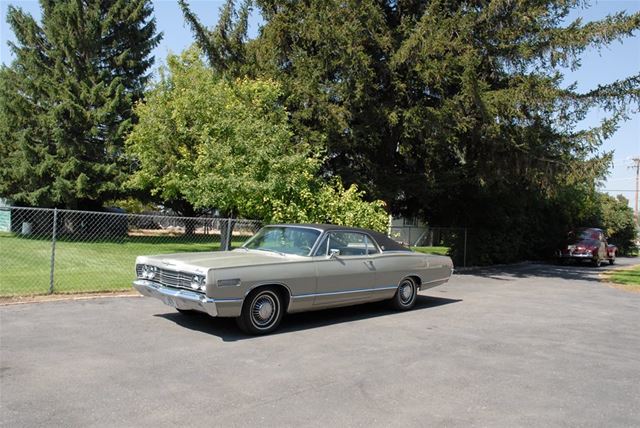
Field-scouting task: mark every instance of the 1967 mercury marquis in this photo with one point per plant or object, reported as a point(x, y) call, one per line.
point(291, 268)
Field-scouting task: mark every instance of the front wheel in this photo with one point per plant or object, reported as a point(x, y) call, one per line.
point(596, 262)
point(612, 260)
point(261, 312)
point(405, 297)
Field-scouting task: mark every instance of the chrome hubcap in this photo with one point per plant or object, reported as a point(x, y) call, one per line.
point(264, 310)
point(406, 292)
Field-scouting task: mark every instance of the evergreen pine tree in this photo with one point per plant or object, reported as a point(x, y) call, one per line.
point(67, 99)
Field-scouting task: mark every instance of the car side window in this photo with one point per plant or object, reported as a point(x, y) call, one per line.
point(322, 248)
point(371, 247)
point(350, 244)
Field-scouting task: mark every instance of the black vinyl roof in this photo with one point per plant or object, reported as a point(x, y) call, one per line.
point(385, 243)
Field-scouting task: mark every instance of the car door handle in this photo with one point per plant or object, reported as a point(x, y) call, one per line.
point(369, 264)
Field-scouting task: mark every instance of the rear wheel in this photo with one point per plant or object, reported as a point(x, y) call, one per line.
point(405, 297)
point(262, 312)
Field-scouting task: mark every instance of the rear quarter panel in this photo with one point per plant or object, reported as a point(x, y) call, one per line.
point(391, 268)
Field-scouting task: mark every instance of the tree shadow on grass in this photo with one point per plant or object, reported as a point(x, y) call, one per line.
point(228, 331)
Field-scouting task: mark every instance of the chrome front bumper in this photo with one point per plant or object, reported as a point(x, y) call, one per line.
point(575, 256)
point(179, 299)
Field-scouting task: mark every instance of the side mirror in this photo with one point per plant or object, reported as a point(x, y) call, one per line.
point(333, 253)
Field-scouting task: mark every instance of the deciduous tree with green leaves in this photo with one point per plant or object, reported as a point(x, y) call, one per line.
point(66, 101)
point(616, 218)
point(227, 144)
point(457, 111)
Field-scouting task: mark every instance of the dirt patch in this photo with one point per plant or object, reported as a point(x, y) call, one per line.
point(18, 300)
point(173, 231)
point(629, 288)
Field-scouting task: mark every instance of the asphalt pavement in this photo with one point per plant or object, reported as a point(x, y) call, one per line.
point(526, 345)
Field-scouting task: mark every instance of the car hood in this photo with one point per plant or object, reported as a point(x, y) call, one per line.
point(201, 261)
point(583, 243)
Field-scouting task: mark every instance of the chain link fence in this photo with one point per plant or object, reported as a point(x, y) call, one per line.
point(45, 251)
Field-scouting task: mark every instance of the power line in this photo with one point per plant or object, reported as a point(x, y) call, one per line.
point(620, 179)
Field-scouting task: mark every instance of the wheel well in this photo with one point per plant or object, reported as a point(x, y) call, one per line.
point(416, 279)
point(280, 289)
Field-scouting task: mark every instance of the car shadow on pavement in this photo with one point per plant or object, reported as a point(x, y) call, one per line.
point(581, 272)
point(228, 331)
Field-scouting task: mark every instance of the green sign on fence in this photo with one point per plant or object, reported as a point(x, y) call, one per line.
point(5, 221)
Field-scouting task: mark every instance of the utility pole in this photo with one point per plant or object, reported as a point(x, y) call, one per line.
point(636, 162)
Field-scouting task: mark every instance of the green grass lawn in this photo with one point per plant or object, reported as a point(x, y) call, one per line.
point(91, 266)
point(83, 266)
point(432, 250)
point(629, 277)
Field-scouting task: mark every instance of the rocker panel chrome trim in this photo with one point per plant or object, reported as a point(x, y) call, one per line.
point(335, 293)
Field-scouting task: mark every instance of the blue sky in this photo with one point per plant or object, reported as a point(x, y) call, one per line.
point(614, 62)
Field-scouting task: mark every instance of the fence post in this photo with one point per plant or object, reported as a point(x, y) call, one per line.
point(464, 257)
point(228, 243)
point(53, 249)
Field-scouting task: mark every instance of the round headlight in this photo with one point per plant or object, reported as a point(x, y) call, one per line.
point(197, 282)
point(149, 272)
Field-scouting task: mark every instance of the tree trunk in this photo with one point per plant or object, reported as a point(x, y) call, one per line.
point(226, 232)
point(185, 209)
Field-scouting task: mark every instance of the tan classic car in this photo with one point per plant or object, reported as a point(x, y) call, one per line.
point(291, 268)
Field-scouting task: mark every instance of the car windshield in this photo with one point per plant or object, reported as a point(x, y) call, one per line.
point(583, 235)
point(284, 239)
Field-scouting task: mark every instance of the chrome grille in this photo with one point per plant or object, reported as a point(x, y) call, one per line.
point(171, 278)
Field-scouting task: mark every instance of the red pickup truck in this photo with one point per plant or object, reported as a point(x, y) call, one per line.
point(588, 244)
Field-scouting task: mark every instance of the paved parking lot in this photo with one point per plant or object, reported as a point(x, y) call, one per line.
point(528, 345)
